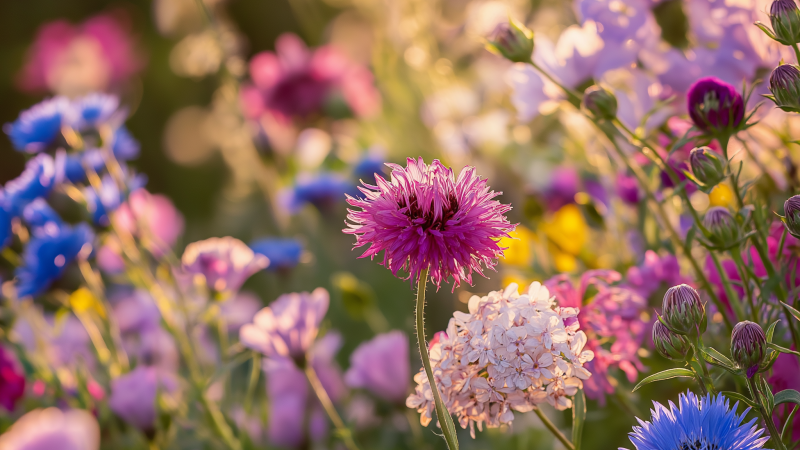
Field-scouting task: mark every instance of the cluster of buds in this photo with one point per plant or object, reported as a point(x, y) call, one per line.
point(600, 103)
point(748, 346)
point(513, 41)
point(707, 167)
point(682, 311)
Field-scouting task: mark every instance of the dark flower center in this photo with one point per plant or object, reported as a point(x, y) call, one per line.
point(698, 444)
point(414, 211)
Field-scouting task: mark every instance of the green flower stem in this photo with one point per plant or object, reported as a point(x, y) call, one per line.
point(255, 374)
point(796, 52)
point(572, 96)
point(774, 434)
point(706, 375)
point(733, 298)
point(737, 258)
point(553, 429)
point(341, 429)
point(445, 421)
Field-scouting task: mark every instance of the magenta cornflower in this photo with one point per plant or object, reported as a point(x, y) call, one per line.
point(425, 218)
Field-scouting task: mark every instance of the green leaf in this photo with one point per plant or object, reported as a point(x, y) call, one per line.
point(739, 397)
point(665, 375)
point(787, 396)
point(789, 421)
point(782, 349)
point(578, 418)
point(792, 311)
point(771, 330)
point(712, 353)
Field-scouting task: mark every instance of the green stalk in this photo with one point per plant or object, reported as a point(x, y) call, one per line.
point(737, 258)
point(733, 299)
point(796, 52)
point(774, 434)
point(445, 421)
point(553, 429)
point(574, 97)
point(342, 430)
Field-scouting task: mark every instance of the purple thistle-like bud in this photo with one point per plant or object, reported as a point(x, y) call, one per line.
point(600, 103)
point(706, 166)
point(425, 218)
point(513, 41)
point(748, 346)
point(683, 311)
point(668, 344)
point(791, 215)
point(714, 105)
point(785, 18)
point(723, 229)
point(784, 83)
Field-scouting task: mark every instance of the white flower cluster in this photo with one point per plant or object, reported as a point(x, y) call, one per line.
point(510, 352)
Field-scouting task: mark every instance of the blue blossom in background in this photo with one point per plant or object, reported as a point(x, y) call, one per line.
point(39, 126)
point(282, 253)
point(47, 255)
point(37, 180)
point(101, 203)
point(368, 167)
point(41, 217)
point(323, 191)
point(125, 146)
point(72, 166)
point(92, 110)
point(5, 222)
point(697, 423)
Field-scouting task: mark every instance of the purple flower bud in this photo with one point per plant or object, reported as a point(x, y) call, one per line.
point(748, 346)
point(784, 83)
point(714, 104)
point(723, 229)
point(600, 103)
point(706, 166)
point(668, 344)
point(628, 189)
point(791, 215)
point(513, 41)
point(683, 311)
point(785, 19)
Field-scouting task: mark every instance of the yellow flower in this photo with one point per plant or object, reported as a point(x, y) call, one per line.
point(522, 282)
point(721, 195)
point(567, 229)
point(518, 251)
point(564, 262)
point(83, 300)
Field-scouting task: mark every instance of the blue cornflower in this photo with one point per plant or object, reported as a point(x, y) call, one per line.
point(322, 191)
point(125, 146)
point(37, 180)
point(5, 222)
point(72, 166)
point(101, 204)
point(282, 253)
point(41, 217)
point(705, 423)
point(47, 255)
point(39, 126)
point(92, 110)
point(368, 167)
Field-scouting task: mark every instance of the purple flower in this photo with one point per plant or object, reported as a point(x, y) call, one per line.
point(425, 218)
point(37, 127)
point(714, 104)
point(226, 263)
point(51, 428)
point(655, 271)
point(564, 184)
point(240, 310)
point(47, 255)
point(288, 327)
point(628, 189)
point(12, 380)
point(133, 395)
point(381, 366)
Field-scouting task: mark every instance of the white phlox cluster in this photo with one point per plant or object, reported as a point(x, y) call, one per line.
point(510, 352)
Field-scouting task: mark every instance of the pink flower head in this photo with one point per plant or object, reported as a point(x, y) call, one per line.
point(425, 218)
point(51, 428)
point(381, 366)
point(12, 380)
point(73, 60)
point(288, 327)
point(298, 82)
point(152, 218)
point(226, 263)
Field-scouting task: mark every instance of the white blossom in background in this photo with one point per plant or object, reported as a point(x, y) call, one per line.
point(510, 352)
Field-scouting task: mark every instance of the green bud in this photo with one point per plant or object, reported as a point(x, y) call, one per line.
point(791, 215)
point(600, 103)
point(683, 312)
point(513, 41)
point(706, 166)
point(784, 83)
point(748, 346)
point(785, 19)
point(668, 344)
point(724, 231)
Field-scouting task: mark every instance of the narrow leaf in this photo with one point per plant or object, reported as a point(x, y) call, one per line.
point(578, 418)
point(771, 330)
point(739, 397)
point(792, 311)
point(713, 353)
point(782, 349)
point(665, 375)
point(787, 396)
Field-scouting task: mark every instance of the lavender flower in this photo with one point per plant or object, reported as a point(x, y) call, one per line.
point(381, 366)
point(51, 428)
point(628, 189)
point(714, 105)
point(226, 263)
point(287, 328)
point(424, 218)
point(37, 127)
point(133, 395)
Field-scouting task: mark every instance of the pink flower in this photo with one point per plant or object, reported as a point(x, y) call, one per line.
point(93, 56)
point(133, 395)
point(425, 218)
point(288, 327)
point(786, 375)
point(51, 428)
point(381, 366)
point(226, 263)
point(152, 218)
point(12, 380)
point(654, 272)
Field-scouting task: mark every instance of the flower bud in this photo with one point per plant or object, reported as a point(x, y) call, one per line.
point(791, 215)
point(706, 166)
point(683, 311)
point(513, 41)
point(714, 105)
point(724, 231)
point(668, 344)
point(784, 83)
point(748, 346)
point(600, 103)
point(785, 19)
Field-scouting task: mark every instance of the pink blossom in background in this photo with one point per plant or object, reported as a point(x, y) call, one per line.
point(655, 271)
point(12, 380)
point(51, 428)
point(151, 217)
point(786, 375)
point(96, 55)
point(226, 263)
point(381, 366)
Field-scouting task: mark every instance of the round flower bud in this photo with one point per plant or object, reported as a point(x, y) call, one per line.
point(683, 311)
point(785, 19)
point(513, 41)
point(706, 166)
point(748, 346)
point(724, 231)
point(784, 83)
point(791, 215)
point(714, 105)
point(600, 103)
point(668, 344)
